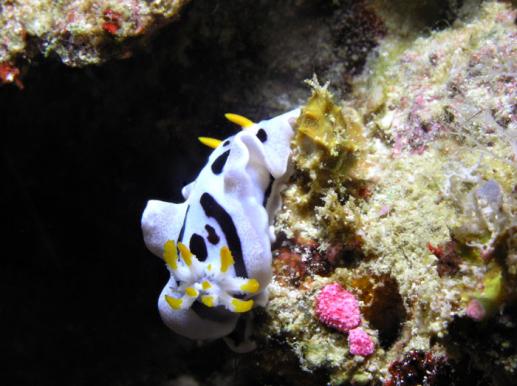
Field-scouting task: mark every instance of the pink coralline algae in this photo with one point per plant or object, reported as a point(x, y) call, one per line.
point(360, 343)
point(338, 308)
point(475, 310)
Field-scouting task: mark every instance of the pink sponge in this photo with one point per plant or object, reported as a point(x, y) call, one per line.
point(338, 308)
point(360, 343)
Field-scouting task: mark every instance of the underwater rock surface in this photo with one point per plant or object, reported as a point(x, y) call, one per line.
point(414, 176)
point(79, 32)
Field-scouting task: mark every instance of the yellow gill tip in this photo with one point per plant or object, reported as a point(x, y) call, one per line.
point(251, 286)
point(185, 254)
point(239, 120)
point(170, 255)
point(192, 292)
point(241, 306)
point(210, 142)
point(169, 245)
point(207, 300)
point(174, 303)
point(206, 285)
point(226, 258)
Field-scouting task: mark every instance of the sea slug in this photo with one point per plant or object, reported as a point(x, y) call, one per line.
point(222, 231)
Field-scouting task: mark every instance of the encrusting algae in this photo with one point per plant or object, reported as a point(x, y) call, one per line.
point(409, 202)
point(79, 32)
point(330, 149)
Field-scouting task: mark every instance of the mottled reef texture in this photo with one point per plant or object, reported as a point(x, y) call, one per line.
point(79, 32)
point(412, 180)
point(403, 192)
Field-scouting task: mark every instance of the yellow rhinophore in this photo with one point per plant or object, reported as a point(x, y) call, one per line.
point(226, 258)
point(185, 254)
point(251, 286)
point(210, 142)
point(239, 120)
point(170, 255)
point(240, 306)
point(174, 302)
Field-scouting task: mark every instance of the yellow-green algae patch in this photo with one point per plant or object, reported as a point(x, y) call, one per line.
point(389, 172)
point(330, 149)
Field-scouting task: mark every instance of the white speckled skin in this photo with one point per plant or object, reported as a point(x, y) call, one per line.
point(240, 189)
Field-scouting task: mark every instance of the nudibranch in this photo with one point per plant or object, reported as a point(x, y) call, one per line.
point(217, 244)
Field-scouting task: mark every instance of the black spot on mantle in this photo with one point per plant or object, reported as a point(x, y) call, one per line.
point(262, 135)
point(218, 164)
point(213, 238)
point(198, 247)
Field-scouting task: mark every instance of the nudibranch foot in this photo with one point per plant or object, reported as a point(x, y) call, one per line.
point(240, 340)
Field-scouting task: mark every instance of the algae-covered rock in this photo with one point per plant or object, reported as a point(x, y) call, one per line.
point(329, 154)
point(80, 32)
point(414, 176)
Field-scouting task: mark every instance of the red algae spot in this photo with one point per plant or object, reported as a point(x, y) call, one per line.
point(299, 259)
point(435, 250)
point(360, 343)
point(110, 27)
point(448, 256)
point(10, 74)
point(337, 308)
point(364, 192)
point(417, 368)
point(289, 267)
point(111, 21)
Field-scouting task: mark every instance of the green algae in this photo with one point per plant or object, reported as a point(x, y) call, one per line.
point(492, 293)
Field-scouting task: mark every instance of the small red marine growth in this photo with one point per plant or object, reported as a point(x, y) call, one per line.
point(418, 368)
point(448, 256)
point(289, 267)
point(111, 21)
point(10, 74)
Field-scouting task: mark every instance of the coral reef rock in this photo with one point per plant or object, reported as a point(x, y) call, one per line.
point(80, 32)
point(408, 186)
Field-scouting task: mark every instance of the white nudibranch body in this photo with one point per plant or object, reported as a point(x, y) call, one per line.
point(217, 244)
